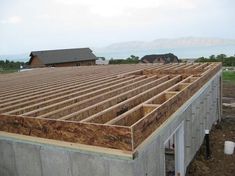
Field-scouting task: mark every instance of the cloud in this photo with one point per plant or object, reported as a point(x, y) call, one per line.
point(120, 8)
point(12, 20)
point(74, 23)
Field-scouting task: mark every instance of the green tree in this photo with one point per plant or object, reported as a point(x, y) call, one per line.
point(221, 56)
point(226, 61)
point(10, 65)
point(133, 59)
point(212, 57)
point(130, 60)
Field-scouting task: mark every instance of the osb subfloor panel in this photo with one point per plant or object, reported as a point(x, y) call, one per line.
point(114, 106)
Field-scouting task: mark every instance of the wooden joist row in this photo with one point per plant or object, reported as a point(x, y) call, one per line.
point(60, 82)
point(109, 106)
point(38, 82)
point(65, 97)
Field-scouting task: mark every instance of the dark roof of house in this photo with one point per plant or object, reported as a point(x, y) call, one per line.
point(63, 55)
point(166, 57)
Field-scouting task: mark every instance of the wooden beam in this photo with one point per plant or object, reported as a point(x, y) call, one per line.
point(133, 115)
point(70, 95)
point(64, 108)
point(91, 134)
point(124, 106)
point(130, 102)
point(145, 126)
point(84, 113)
point(39, 94)
point(34, 83)
point(89, 101)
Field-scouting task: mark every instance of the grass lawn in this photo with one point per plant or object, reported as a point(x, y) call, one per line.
point(229, 76)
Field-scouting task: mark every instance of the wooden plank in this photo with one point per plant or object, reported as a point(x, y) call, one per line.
point(91, 134)
point(124, 106)
point(160, 67)
point(51, 87)
point(133, 115)
point(64, 90)
point(65, 78)
point(161, 70)
point(21, 108)
point(46, 84)
point(129, 118)
point(76, 101)
point(129, 111)
point(145, 126)
point(91, 100)
point(84, 113)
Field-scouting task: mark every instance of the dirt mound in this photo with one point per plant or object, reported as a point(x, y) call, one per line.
point(219, 164)
point(198, 168)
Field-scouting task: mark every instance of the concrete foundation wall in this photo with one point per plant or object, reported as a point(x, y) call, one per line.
point(19, 158)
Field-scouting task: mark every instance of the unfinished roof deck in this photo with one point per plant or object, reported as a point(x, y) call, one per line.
point(114, 106)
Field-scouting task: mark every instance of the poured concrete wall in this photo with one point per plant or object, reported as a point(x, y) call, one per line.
point(19, 158)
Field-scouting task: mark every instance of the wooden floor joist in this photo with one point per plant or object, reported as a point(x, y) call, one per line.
point(69, 97)
point(114, 106)
point(65, 90)
point(95, 97)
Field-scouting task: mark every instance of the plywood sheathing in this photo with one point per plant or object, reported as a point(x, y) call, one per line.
point(109, 106)
point(90, 134)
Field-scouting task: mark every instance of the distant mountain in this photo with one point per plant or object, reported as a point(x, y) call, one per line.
point(171, 43)
point(187, 47)
point(183, 47)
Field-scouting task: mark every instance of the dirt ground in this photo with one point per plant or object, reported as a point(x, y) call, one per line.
point(219, 164)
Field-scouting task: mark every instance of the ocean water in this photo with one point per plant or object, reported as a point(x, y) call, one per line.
point(189, 52)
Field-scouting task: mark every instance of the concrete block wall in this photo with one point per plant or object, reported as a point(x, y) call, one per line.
point(24, 159)
point(19, 158)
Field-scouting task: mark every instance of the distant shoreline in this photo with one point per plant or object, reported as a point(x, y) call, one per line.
point(182, 53)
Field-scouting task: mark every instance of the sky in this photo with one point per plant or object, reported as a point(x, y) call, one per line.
point(27, 25)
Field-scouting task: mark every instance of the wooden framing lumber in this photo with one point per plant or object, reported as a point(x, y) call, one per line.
point(76, 101)
point(146, 125)
point(46, 82)
point(61, 96)
point(92, 134)
point(124, 106)
point(99, 96)
point(115, 106)
point(64, 90)
point(84, 113)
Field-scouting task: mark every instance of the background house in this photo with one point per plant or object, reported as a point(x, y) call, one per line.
point(62, 58)
point(160, 58)
point(101, 61)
